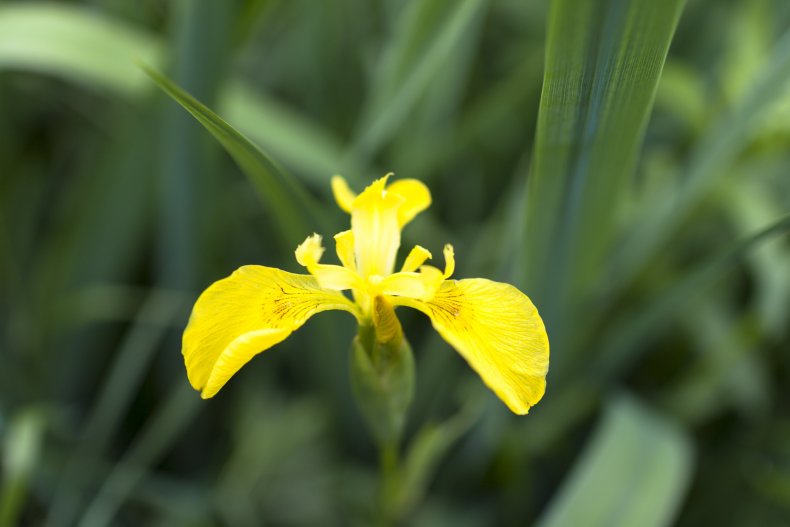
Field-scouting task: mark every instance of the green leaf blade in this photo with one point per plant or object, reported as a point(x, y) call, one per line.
point(634, 471)
point(292, 206)
point(406, 75)
point(603, 63)
point(77, 44)
point(724, 140)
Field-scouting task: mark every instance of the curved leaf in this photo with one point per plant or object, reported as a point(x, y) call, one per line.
point(634, 471)
point(603, 62)
point(292, 206)
point(76, 43)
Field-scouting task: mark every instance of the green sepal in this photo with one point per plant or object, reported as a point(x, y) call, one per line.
point(382, 374)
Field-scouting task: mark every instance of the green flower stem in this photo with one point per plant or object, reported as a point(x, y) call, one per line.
point(389, 484)
point(382, 375)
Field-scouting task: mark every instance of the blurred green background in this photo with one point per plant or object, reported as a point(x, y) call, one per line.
point(624, 162)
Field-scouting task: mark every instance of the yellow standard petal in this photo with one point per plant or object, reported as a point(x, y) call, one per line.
point(497, 329)
point(242, 315)
point(416, 198)
point(343, 194)
point(344, 246)
point(374, 221)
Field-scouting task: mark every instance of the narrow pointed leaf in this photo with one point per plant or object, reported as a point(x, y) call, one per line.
point(76, 43)
point(411, 64)
point(99, 52)
point(298, 141)
point(292, 206)
point(620, 347)
point(722, 143)
point(634, 471)
point(20, 451)
point(603, 62)
point(162, 428)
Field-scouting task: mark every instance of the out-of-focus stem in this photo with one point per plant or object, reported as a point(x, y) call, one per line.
point(388, 484)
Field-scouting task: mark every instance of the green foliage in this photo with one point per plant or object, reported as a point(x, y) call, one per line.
point(61, 40)
point(634, 471)
point(603, 64)
point(289, 201)
point(624, 162)
point(382, 377)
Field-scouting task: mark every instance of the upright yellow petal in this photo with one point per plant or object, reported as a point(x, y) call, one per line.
point(374, 221)
point(416, 196)
point(344, 247)
point(497, 329)
point(310, 251)
point(415, 259)
point(343, 194)
point(334, 277)
point(449, 261)
point(242, 315)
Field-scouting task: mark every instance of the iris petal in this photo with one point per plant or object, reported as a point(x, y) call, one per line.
point(344, 246)
point(343, 194)
point(332, 277)
point(415, 259)
point(309, 252)
point(497, 329)
point(449, 261)
point(242, 315)
point(416, 196)
point(374, 221)
point(405, 284)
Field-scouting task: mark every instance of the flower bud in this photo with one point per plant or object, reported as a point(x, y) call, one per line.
point(382, 374)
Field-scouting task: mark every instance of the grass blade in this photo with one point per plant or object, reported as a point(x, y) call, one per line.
point(161, 430)
point(76, 43)
point(603, 63)
point(293, 208)
point(410, 66)
point(122, 383)
point(98, 52)
point(288, 134)
point(720, 146)
point(188, 168)
point(634, 471)
point(620, 346)
point(21, 451)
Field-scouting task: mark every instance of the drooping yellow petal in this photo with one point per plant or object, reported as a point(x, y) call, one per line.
point(497, 329)
point(242, 315)
point(416, 196)
point(374, 221)
point(415, 259)
point(343, 194)
point(335, 277)
point(237, 354)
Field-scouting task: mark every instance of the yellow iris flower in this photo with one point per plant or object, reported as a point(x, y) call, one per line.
point(493, 325)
